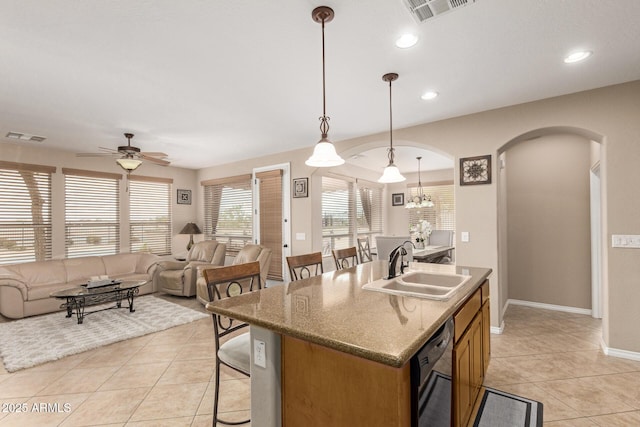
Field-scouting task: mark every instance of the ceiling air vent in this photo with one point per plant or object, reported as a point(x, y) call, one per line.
point(422, 10)
point(25, 137)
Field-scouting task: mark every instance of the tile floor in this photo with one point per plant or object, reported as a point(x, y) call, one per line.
point(165, 379)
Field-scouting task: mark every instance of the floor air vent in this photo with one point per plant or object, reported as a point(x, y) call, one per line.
point(422, 10)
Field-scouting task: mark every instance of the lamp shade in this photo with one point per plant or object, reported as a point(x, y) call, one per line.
point(391, 174)
point(324, 155)
point(190, 228)
point(129, 164)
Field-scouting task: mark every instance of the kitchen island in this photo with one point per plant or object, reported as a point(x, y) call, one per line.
point(337, 354)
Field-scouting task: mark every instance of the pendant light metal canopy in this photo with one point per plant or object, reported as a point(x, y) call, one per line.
point(324, 154)
point(391, 172)
point(420, 200)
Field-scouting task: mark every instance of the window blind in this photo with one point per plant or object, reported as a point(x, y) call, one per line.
point(92, 225)
point(150, 216)
point(228, 211)
point(271, 218)
point(25, 212)
point(443, 215)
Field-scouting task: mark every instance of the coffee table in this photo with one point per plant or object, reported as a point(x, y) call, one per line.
point(79, 297)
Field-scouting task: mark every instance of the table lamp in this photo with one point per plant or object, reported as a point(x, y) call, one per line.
point(191, 228)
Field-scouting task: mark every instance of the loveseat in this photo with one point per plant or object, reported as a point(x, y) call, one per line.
point(25, 288)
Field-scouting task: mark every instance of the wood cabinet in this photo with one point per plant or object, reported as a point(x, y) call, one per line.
point(470, 355)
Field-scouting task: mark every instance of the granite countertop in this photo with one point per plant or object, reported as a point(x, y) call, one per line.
point(334, 311)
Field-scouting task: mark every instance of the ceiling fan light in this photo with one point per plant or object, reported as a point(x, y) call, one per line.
point(129, 164)
point(324, 155)
point(391, 174)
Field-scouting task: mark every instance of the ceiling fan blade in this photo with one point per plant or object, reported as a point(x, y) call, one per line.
point(95, 154)
point(154, 160)
point(154, 154)
point(111, 150)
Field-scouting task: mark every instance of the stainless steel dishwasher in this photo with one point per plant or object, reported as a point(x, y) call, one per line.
point(431, 380)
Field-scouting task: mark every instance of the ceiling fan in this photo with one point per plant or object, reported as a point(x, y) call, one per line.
point(130, 157)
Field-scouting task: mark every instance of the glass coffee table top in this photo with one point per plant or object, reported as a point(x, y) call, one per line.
point(78, 291)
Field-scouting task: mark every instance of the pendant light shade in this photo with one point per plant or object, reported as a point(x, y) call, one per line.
point(324, 154)
point(391, 173)
point(420, 200)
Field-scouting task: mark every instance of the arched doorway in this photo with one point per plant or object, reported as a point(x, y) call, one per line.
point(546, 219)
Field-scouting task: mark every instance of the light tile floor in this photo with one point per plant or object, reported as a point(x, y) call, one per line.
point(166, 378)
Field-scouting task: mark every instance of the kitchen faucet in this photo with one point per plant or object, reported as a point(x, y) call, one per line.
point(398, 251)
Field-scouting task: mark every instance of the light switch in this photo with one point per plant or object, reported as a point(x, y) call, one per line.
point(301, 236)
point(625, 241)
point(259, 354)
point(464, 236)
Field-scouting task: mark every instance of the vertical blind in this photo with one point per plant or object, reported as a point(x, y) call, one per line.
point(443, 215)
point(150, 215)
point(349, 209)
point(25, 212)
point(92, 206)
point(228, 211)
point(271, 218)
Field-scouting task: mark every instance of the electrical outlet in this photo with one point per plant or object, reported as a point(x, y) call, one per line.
point(259, 354)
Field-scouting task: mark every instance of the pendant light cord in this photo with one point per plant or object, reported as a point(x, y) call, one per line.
point(390, 126)
point(324, 120)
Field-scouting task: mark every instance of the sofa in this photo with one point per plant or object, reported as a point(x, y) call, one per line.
point(179, 277)
point(248, 253)
point(25, 287)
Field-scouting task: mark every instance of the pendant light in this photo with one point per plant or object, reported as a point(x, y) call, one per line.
point(324, 154)
point(391, 172)
point(420, 200)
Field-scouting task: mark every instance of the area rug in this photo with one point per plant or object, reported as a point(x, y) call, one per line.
point(39, 339)
point(497, 408)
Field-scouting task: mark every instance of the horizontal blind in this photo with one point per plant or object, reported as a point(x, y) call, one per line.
point(25, 214)
point(271, 218)
point(92, 224)
point(369, 209)
point(443, 215)
point(337, 214)
point(229, 213)
point(150, 217)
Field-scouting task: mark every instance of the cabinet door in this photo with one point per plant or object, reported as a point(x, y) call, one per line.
point(477, 365)
point(486, 335)
point(462, 376)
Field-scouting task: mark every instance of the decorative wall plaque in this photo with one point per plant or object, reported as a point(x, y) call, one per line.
point(475, 170)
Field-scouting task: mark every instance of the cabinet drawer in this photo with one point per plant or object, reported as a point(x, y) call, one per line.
point(484, 288)
point(465, 314)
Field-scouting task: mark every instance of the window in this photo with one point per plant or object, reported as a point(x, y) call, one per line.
point(150, 215)
point(228, 211)
point(349, 209)
point(443, 215)
point(92, 225)
point(25, 212)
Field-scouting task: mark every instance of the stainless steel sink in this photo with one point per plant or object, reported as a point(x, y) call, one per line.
point(421, 284)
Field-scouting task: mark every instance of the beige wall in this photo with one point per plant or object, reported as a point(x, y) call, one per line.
point(611, 114)
point(548, 220)
point(36, 154)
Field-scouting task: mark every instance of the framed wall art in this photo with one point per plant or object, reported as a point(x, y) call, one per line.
point(397, 199)
point(475, 170)
point(301, 187)
point(184, 197)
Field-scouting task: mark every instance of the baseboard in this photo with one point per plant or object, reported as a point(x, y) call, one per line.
point(623, 354)
point(553, 307)
point(498, 330)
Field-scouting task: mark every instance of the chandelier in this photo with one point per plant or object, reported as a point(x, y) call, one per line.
point(420, 200)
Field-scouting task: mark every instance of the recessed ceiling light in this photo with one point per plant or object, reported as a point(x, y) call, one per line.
point(429, 95)
point(406, 41)
point(577, 56)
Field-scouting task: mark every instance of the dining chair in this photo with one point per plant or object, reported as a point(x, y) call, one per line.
point(442, 238)
point(345, 258)
point(364, 249)
point(235, 353)
point(303, 266)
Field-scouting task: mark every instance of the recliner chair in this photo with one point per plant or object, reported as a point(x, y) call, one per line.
point(179, 277)
point(248, 253)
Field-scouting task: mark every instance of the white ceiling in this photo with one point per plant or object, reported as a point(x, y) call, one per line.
point(210, 82)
